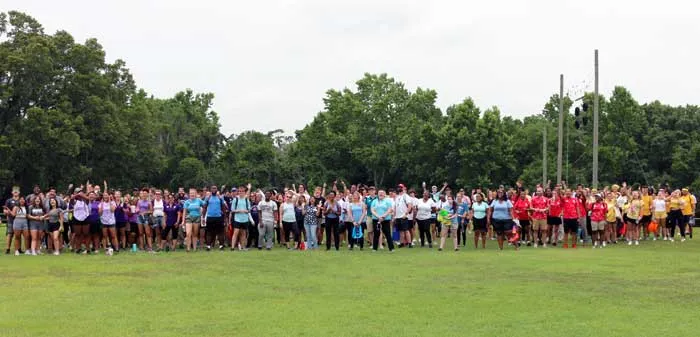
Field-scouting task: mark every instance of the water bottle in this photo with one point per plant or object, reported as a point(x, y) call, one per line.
point(133, 248)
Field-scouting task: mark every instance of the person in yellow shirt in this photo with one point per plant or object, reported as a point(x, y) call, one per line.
point(675, 215)
point(611, 219)
point(688, 211)
point(646, 211)
point(633, 216)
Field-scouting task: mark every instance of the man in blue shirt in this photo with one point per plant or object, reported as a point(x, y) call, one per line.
point(240, 208)
point(381, 215)
point(214, 208)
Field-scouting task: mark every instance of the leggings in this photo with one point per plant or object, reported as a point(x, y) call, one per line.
point(253, 236)
point(360, 242)
point(462, 232)
point(164, 232)
point(332, 227)
point(385, 227)
point(291, 227)
point(676, 218)
point(424, 229)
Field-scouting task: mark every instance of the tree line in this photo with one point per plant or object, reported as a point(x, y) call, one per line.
point(67, 115)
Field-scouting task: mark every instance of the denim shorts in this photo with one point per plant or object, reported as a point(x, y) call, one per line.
point(157, 221)
point(143, 219)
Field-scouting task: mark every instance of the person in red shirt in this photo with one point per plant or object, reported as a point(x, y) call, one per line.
point(521, 208)
point(554, 216)
point(571, 212)
point(539, 207)
point(599, 209)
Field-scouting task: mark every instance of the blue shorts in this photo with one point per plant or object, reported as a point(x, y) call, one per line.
point(143, 219)
point(157, 221)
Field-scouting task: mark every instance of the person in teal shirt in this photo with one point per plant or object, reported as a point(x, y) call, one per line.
point(381, 213)
point(192, 219)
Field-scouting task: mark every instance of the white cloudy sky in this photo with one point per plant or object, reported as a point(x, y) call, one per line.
point(269, 62)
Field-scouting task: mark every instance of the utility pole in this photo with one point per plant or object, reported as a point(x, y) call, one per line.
point(544, 157)
point(595, 125)
point(561, 128)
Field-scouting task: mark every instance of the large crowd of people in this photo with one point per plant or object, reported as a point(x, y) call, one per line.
point(93, 218)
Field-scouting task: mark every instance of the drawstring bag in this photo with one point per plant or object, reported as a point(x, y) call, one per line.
point(357, 232)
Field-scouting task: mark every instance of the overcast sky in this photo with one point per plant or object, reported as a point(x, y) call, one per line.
point(269, 62)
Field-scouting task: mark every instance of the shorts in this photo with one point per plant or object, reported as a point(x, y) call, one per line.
point(368, 225)
point(539, 224)
point(598, 225)
point(77, 222)
point(193, 219)
point(403, 224)
point(95, 227)
point(34, 226)
point(216, 224)
point(632, 221)
point(166, 230)
point(121, 225)
point(133, 227)
point(645, 219)
point(570, 225)
point(157, 221)
point(480, 225)
point(553, 220)
point(21, 225)
point(524, 223)
point(501, 226)
point(240, 225)
point(143, 219)
point(686, 219)
point(659, 215)
point(112, 225)
point(54, 227)
point(8, 229)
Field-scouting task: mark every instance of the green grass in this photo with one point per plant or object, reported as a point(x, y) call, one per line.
point(618, 291)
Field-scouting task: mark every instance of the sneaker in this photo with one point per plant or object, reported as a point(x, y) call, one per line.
point(573, 246)
point(670, 239)
point(27, 252)
point(654, 238)
point(535, 244)
point(7, 251)
point(544, 245)
point(683, 240)
point(56, 253)
point(17, 253)
point(636, 243)
point(629, 243)
point(430, 245)
point(208, 248)
point(529, 244)
point(221, 247)
point(580, 241)
point(439, 249)
point(605, 244)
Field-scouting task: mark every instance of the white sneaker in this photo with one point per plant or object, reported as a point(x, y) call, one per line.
point(670, 239)
point(544, 245)
point(580, 241)
point(636, 243)
point(683, 240)
point(17, 253)
point(629, 243)
point(605, 244)
point(654, 238)
point(535, 245)
point(27, 252)
point(56, 253)
point(34, 253)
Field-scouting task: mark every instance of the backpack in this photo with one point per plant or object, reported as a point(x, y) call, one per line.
point(247, 204)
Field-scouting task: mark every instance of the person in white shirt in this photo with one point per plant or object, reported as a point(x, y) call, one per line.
point(402, 207)
point(412, 216)
point(266, 231)
point(424, 210)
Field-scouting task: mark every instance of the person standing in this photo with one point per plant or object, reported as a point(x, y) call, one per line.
point(192, 217)
point(571, 213)
point(55, 219)
point(311, 214)
point(35, 214)
point(7, 209)
point(521, 208)
point(214, 207)
point(403, 207)
point(357, 216)
point(540, 207)
point(241, 218)
point(425, 207)
point(289, 220)
point(20, 227)
point(332, 211)
point(106, 209)
point(450, 224)
point(599, 211)
point(501, 216)
point(368, 200)
point(382, 213)
point(266, 231)
point(479, 211)
point(554, 217)
point(173, 217)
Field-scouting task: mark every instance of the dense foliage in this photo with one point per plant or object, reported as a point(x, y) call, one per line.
point(67, 115)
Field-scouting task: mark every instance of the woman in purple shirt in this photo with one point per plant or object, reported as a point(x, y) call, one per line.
point(93, 221)
point(120, 215)
point(173, 216)
point(144, 209)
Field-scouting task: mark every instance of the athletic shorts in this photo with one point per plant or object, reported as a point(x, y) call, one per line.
point(133, 227)
point(121, 225)
point(114, 225)
point(524, 223)
point(598, 225)
point(553, 220)
point(570, 225)
point(539, 224)
point(240, 225)
point(403, 224)
point(216, 224)
point(95, 227)
point(502, 226)
point(659, 215)
point(480, 224)
point(54, 227)
point(77, 222)
point(645, 219)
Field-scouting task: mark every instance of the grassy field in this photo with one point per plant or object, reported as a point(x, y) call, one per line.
point(650, 290)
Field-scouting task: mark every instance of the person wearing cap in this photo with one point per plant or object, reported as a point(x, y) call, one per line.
point(599, 210)
point(7, 210)
point(403, 207)
point(688, 211)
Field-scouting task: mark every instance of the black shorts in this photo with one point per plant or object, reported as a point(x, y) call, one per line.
point(502, 226)
point(54, 227)
point(215, 224)
point(133, 227)
point(403, 224)
point(553, 220)
point(95, 227)
point(240, 225)
point(77, 222)
point(570, 225)
point(480, 225)
point(121, 225)
point(645, 219)
point(524, 223)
